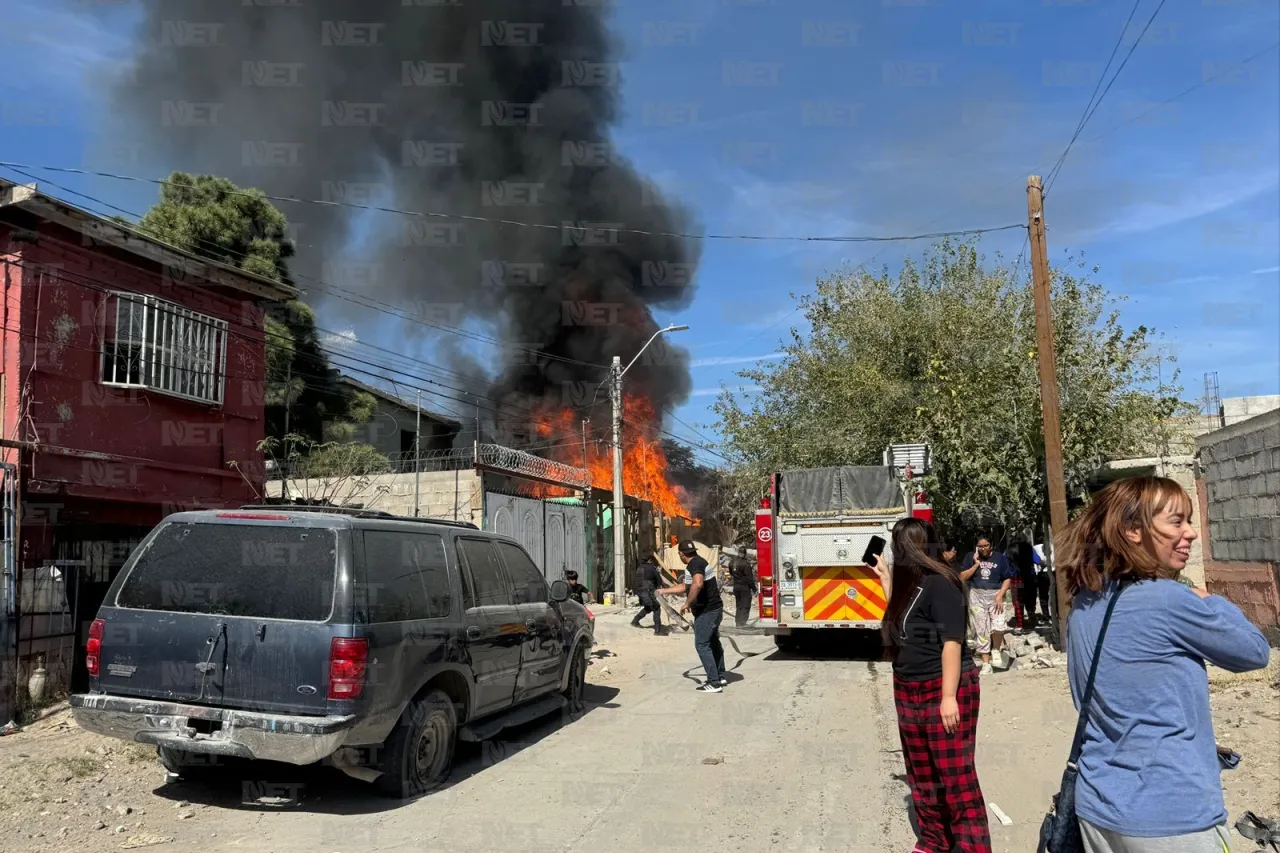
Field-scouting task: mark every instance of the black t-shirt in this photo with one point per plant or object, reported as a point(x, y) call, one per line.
point(937, 613)
point(578, 593)
point(709, 598)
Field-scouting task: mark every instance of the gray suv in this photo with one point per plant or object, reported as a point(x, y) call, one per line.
point(368, 640)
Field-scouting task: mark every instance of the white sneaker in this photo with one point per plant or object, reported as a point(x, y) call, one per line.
point(708, 687)
point(985, 669)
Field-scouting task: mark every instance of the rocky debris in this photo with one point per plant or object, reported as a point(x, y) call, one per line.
point(1032, 651)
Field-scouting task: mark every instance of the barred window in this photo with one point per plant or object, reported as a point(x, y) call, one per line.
point(151, 343)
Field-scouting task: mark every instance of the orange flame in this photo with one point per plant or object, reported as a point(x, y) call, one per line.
point(644, 464)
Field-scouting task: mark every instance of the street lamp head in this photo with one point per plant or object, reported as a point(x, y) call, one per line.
point(674, 328)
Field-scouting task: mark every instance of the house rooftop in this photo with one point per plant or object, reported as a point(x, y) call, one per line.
point(26, 197)
point(394, 400)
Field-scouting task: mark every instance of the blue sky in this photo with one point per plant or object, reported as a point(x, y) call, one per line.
point(806, 117)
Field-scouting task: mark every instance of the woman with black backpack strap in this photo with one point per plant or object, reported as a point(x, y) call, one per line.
point(1143, 776)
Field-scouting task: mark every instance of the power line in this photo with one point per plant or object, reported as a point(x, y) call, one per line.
point(515, 223)
point(360, 365)
point(1089, 112)
point(534, 417)
point(332, 289)
point(1084, 116)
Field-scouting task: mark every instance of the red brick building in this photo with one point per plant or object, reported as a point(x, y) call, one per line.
point(131, 387)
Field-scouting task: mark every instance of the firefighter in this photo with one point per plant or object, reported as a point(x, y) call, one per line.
point(648, 579)
point(744, 587)
point(707, 605)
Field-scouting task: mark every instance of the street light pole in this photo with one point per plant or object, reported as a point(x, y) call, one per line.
point(616, 371)
point(417, 454)
point(619, 543)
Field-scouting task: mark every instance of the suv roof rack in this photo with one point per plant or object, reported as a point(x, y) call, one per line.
point(357, 513)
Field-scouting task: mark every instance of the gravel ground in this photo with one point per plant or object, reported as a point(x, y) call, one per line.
point(810, 736)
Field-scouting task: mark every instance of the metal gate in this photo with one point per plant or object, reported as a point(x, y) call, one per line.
point(554, 534)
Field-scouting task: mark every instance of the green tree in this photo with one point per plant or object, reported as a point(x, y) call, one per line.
point(946, 353)
point(212, 217)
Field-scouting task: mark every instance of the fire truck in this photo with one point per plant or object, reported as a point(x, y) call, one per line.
point(813, 529)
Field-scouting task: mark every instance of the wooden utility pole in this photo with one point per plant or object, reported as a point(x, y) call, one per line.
point(1048, 386)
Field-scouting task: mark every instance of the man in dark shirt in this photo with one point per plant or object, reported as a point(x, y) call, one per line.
point(707, 606)
point(744, 587)
point(989, 577)
point(648, 579)
point(577, 591)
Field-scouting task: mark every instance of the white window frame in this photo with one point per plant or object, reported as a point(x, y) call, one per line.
point(179, 352)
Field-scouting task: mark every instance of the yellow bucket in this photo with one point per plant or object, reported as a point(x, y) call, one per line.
point(608, 599)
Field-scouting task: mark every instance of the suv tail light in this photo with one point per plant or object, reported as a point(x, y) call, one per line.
point(93, 648)
point(348, 657)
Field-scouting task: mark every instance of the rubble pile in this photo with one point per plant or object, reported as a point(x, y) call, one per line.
point(1032, 651)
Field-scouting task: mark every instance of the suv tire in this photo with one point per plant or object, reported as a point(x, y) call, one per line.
point(575, 691)
point(419, 751)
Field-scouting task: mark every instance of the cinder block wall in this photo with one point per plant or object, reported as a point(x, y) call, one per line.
point(1239, 492)
point(440, 493)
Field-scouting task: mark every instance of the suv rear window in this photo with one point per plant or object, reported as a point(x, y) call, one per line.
point(259, 571)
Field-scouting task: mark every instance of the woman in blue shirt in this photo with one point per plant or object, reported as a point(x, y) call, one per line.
point(1149, 773)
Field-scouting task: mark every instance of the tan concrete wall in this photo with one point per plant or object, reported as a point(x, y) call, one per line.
point(454, 495)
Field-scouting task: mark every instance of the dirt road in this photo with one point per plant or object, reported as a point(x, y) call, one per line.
point(797, 754)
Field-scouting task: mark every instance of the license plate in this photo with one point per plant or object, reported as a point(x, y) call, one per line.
point(790, 586)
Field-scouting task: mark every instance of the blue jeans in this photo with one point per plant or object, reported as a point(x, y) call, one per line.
point(706, 639)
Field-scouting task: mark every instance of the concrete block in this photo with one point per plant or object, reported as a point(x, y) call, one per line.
point(1248, 507)
point(1253, 440)
point(1268, 505)
point(1272, 486)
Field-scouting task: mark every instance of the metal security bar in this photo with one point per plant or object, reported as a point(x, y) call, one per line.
point(165, 347)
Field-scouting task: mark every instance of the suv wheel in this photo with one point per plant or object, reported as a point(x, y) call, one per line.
point(575, 691)
point(420, 749)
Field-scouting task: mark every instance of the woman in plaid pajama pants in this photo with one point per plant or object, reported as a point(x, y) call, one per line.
point(935, 690)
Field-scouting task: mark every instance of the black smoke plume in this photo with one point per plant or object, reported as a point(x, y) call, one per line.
point(498, 109)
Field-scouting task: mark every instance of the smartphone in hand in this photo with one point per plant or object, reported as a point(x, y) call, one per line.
point(875, 548)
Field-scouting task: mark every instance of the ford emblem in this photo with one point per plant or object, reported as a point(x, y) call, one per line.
point(306, 690)
point(851, 592)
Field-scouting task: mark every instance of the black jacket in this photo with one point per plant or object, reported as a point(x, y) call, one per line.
point(743, 574)
point(647, 577)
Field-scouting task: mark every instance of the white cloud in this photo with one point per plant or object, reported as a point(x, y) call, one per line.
point(1203, 196)
point(340, 340)
point(1265, 271)
point(715, 361)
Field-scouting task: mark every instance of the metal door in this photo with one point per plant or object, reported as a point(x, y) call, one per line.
point(575, 539)
point(554, 567)
point(519, 518)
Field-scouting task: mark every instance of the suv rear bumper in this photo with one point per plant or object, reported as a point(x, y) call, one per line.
point(241, 734)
